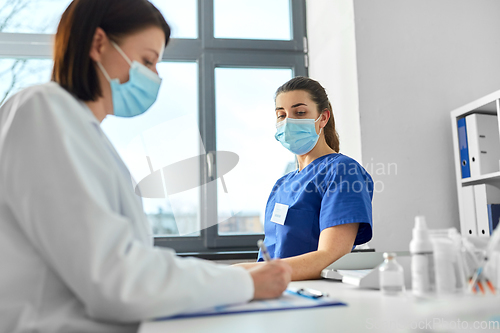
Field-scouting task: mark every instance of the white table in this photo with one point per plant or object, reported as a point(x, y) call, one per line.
point(366, 311)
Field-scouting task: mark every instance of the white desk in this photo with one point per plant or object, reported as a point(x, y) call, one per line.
point(366, 311)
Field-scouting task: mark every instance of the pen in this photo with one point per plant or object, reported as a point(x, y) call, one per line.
point(490, 286)
point(480, 285)
point(307, 292)
point(263, 249)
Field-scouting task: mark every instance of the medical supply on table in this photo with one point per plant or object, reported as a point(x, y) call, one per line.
point(422, 259)
point(391, 275)
point(449, 267)
point(263, 249)
point(444, 257)
point(493, 245)
point(361, 269)
point(459, 261)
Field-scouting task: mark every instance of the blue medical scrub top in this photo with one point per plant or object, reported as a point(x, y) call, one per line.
point(333, 189)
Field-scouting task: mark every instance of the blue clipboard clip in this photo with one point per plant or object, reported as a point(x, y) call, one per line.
point(307, 292)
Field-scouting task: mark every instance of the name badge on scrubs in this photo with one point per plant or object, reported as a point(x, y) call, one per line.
point(279, 213)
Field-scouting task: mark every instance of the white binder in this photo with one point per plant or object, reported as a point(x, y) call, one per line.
point(484, 143)
point(468, 224)
point(484, 194)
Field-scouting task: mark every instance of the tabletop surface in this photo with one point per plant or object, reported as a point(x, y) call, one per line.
point(366, 311)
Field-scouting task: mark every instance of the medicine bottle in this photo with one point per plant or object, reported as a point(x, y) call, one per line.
point(391, 275)
point(422, 259)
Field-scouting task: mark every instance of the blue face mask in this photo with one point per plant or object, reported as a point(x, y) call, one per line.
point(135, 96)
point(297, 135)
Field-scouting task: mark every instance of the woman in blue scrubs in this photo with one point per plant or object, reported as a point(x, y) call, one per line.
point(319, 212)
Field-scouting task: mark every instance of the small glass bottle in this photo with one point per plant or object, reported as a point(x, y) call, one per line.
point(391, 275)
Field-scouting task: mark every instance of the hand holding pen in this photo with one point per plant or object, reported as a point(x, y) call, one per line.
point(306, 292)
point(270, 279)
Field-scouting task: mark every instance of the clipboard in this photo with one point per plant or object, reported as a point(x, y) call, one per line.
point(290, 300)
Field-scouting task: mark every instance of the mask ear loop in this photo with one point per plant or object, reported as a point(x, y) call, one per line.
point(321, 127)
point(101, 67)
point(121, 52)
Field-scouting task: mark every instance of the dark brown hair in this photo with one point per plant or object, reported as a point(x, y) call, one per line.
point(73, 68)
point(319, 96)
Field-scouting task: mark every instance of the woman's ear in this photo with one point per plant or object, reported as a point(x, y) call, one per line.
point(327, 114)
point(99, 42)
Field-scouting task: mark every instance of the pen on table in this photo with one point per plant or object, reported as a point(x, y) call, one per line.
point(263, 249)
point(307, 292)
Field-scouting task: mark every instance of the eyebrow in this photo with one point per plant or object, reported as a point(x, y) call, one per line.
point(293, 106)
point(157, 55)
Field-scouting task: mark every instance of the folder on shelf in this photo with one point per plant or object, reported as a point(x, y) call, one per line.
point(464, 149)
point(468, 224)
point(485, 195)
point(493, 216)
point(483, 143)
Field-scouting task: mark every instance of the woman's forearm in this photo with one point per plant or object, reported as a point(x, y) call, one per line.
point(308, 266)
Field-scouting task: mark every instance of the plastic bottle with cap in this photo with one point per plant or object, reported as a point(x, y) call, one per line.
point(422, 259)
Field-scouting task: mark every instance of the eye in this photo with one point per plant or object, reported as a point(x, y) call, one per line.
point(301, 113)
point(281, 116)
point(147, 63)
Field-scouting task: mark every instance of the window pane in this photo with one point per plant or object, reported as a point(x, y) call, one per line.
point(42, 16)
point(245, 123)
point(16, 74)
point(181, 16)
point(31, 16)
point(166, 134)
point(252, 19)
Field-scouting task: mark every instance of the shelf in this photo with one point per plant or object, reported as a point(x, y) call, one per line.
point(490, 178)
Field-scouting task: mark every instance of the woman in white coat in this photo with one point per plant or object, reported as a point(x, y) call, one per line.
point(75, 250)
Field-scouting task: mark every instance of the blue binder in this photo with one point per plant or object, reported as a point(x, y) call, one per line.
point(493, 216)
point(464, 148)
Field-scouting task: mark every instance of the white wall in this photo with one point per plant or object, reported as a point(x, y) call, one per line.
point(416, 61)
point(332, 61)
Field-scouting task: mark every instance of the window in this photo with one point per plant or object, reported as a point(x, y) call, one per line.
point(204, 156)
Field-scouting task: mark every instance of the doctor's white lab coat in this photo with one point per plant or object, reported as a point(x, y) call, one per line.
point(76, 253)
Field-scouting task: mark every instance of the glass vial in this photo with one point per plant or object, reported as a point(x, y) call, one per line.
point(391, 275)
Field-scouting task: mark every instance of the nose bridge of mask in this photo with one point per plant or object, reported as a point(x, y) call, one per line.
point(295, 121)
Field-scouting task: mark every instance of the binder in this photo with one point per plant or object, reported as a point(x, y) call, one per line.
point(493, 216)
point(464, 149)
point(483, 142)
point(485, 195)
point(468, 224)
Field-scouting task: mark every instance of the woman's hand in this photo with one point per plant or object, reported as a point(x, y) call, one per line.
point(270, 279)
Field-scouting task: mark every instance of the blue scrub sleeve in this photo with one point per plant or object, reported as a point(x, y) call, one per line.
point(348, 199)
